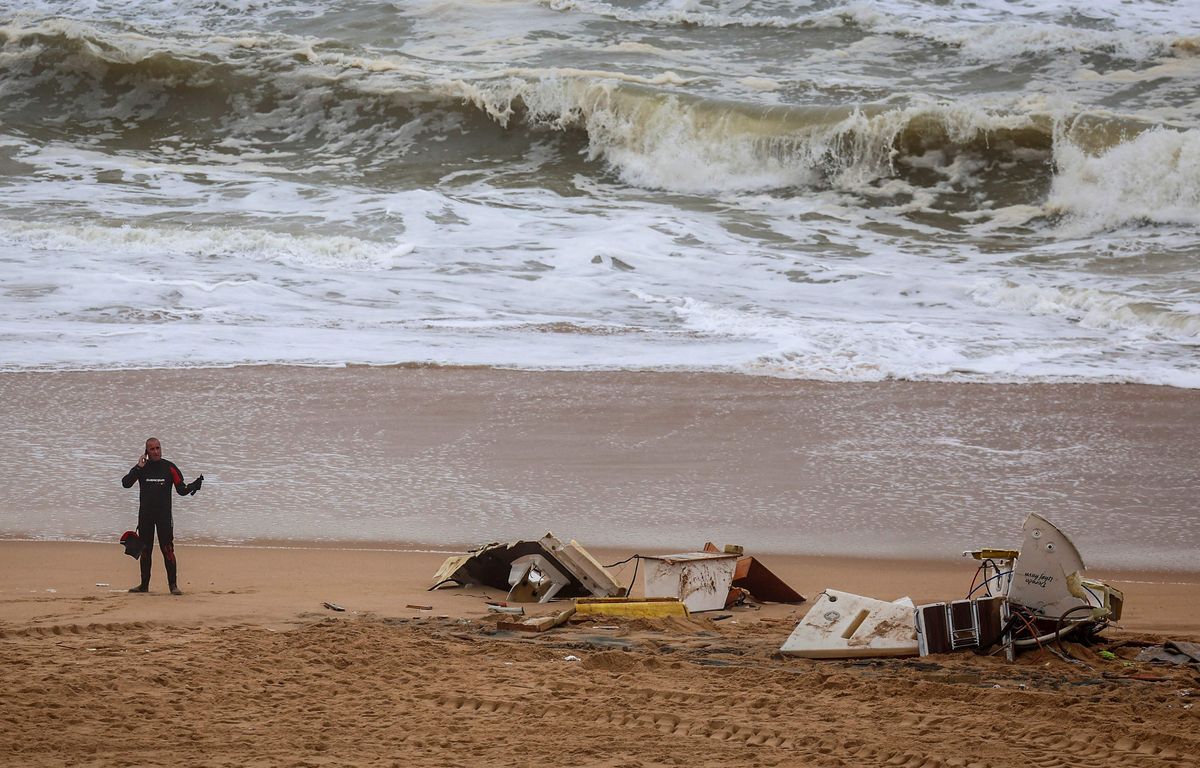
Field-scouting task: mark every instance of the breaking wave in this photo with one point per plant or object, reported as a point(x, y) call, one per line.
point(1154, 178)
point(309, 106)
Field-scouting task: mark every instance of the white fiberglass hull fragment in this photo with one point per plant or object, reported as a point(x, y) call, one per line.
point(843, 625)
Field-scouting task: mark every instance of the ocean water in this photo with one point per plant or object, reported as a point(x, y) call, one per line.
point(842, 191)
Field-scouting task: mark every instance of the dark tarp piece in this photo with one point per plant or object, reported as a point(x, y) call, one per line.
point(1172, 652)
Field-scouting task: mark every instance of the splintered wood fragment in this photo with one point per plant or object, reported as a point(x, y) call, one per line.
point(538, 623)
point(514, 609)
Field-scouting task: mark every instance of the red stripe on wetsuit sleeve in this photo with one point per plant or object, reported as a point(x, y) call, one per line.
point(175, 476)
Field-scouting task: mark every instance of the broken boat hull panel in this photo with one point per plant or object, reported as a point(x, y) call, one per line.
point(701, 580)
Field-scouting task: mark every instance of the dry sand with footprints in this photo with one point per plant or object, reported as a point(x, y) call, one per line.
point(249, 669)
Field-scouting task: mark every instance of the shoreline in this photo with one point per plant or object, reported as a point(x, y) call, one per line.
point(1132, 575)
point(1048, 381)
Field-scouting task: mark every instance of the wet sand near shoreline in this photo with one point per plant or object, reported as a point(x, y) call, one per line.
point(451, 457)
point(249, 667)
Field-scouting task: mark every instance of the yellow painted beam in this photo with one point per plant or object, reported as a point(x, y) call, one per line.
point(631, 608)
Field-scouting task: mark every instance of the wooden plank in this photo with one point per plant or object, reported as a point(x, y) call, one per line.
point(538, 623)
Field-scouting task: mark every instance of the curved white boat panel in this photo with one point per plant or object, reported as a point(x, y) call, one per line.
point(1047, 570)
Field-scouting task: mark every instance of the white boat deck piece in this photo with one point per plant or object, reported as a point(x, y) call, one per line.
point(842, 625)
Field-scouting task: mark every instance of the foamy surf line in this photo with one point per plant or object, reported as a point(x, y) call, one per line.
point(173, 296)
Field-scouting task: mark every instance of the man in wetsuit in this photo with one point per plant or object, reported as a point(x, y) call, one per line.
point(155, 476)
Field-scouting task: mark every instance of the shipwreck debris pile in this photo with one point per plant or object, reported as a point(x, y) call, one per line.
point(1018, 599)
point(1031, 597)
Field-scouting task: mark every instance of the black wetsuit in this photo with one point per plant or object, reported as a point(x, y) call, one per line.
point(155, 480)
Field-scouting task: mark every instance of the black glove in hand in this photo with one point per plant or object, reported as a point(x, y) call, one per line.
point(196, 485)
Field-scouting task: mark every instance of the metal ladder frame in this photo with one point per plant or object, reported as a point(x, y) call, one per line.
point(963, 637)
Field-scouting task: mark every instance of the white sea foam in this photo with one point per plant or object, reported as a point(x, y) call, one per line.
point(1095, 308)
point(1154, 177)
point(334, 252)
point(985, 31)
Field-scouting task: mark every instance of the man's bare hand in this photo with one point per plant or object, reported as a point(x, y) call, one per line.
point(142, 460)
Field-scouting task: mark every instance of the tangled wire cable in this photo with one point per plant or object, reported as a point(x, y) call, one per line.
point(637, 559)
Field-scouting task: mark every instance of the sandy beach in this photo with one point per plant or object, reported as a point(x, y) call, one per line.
point(249, 667)
point(350, 487)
